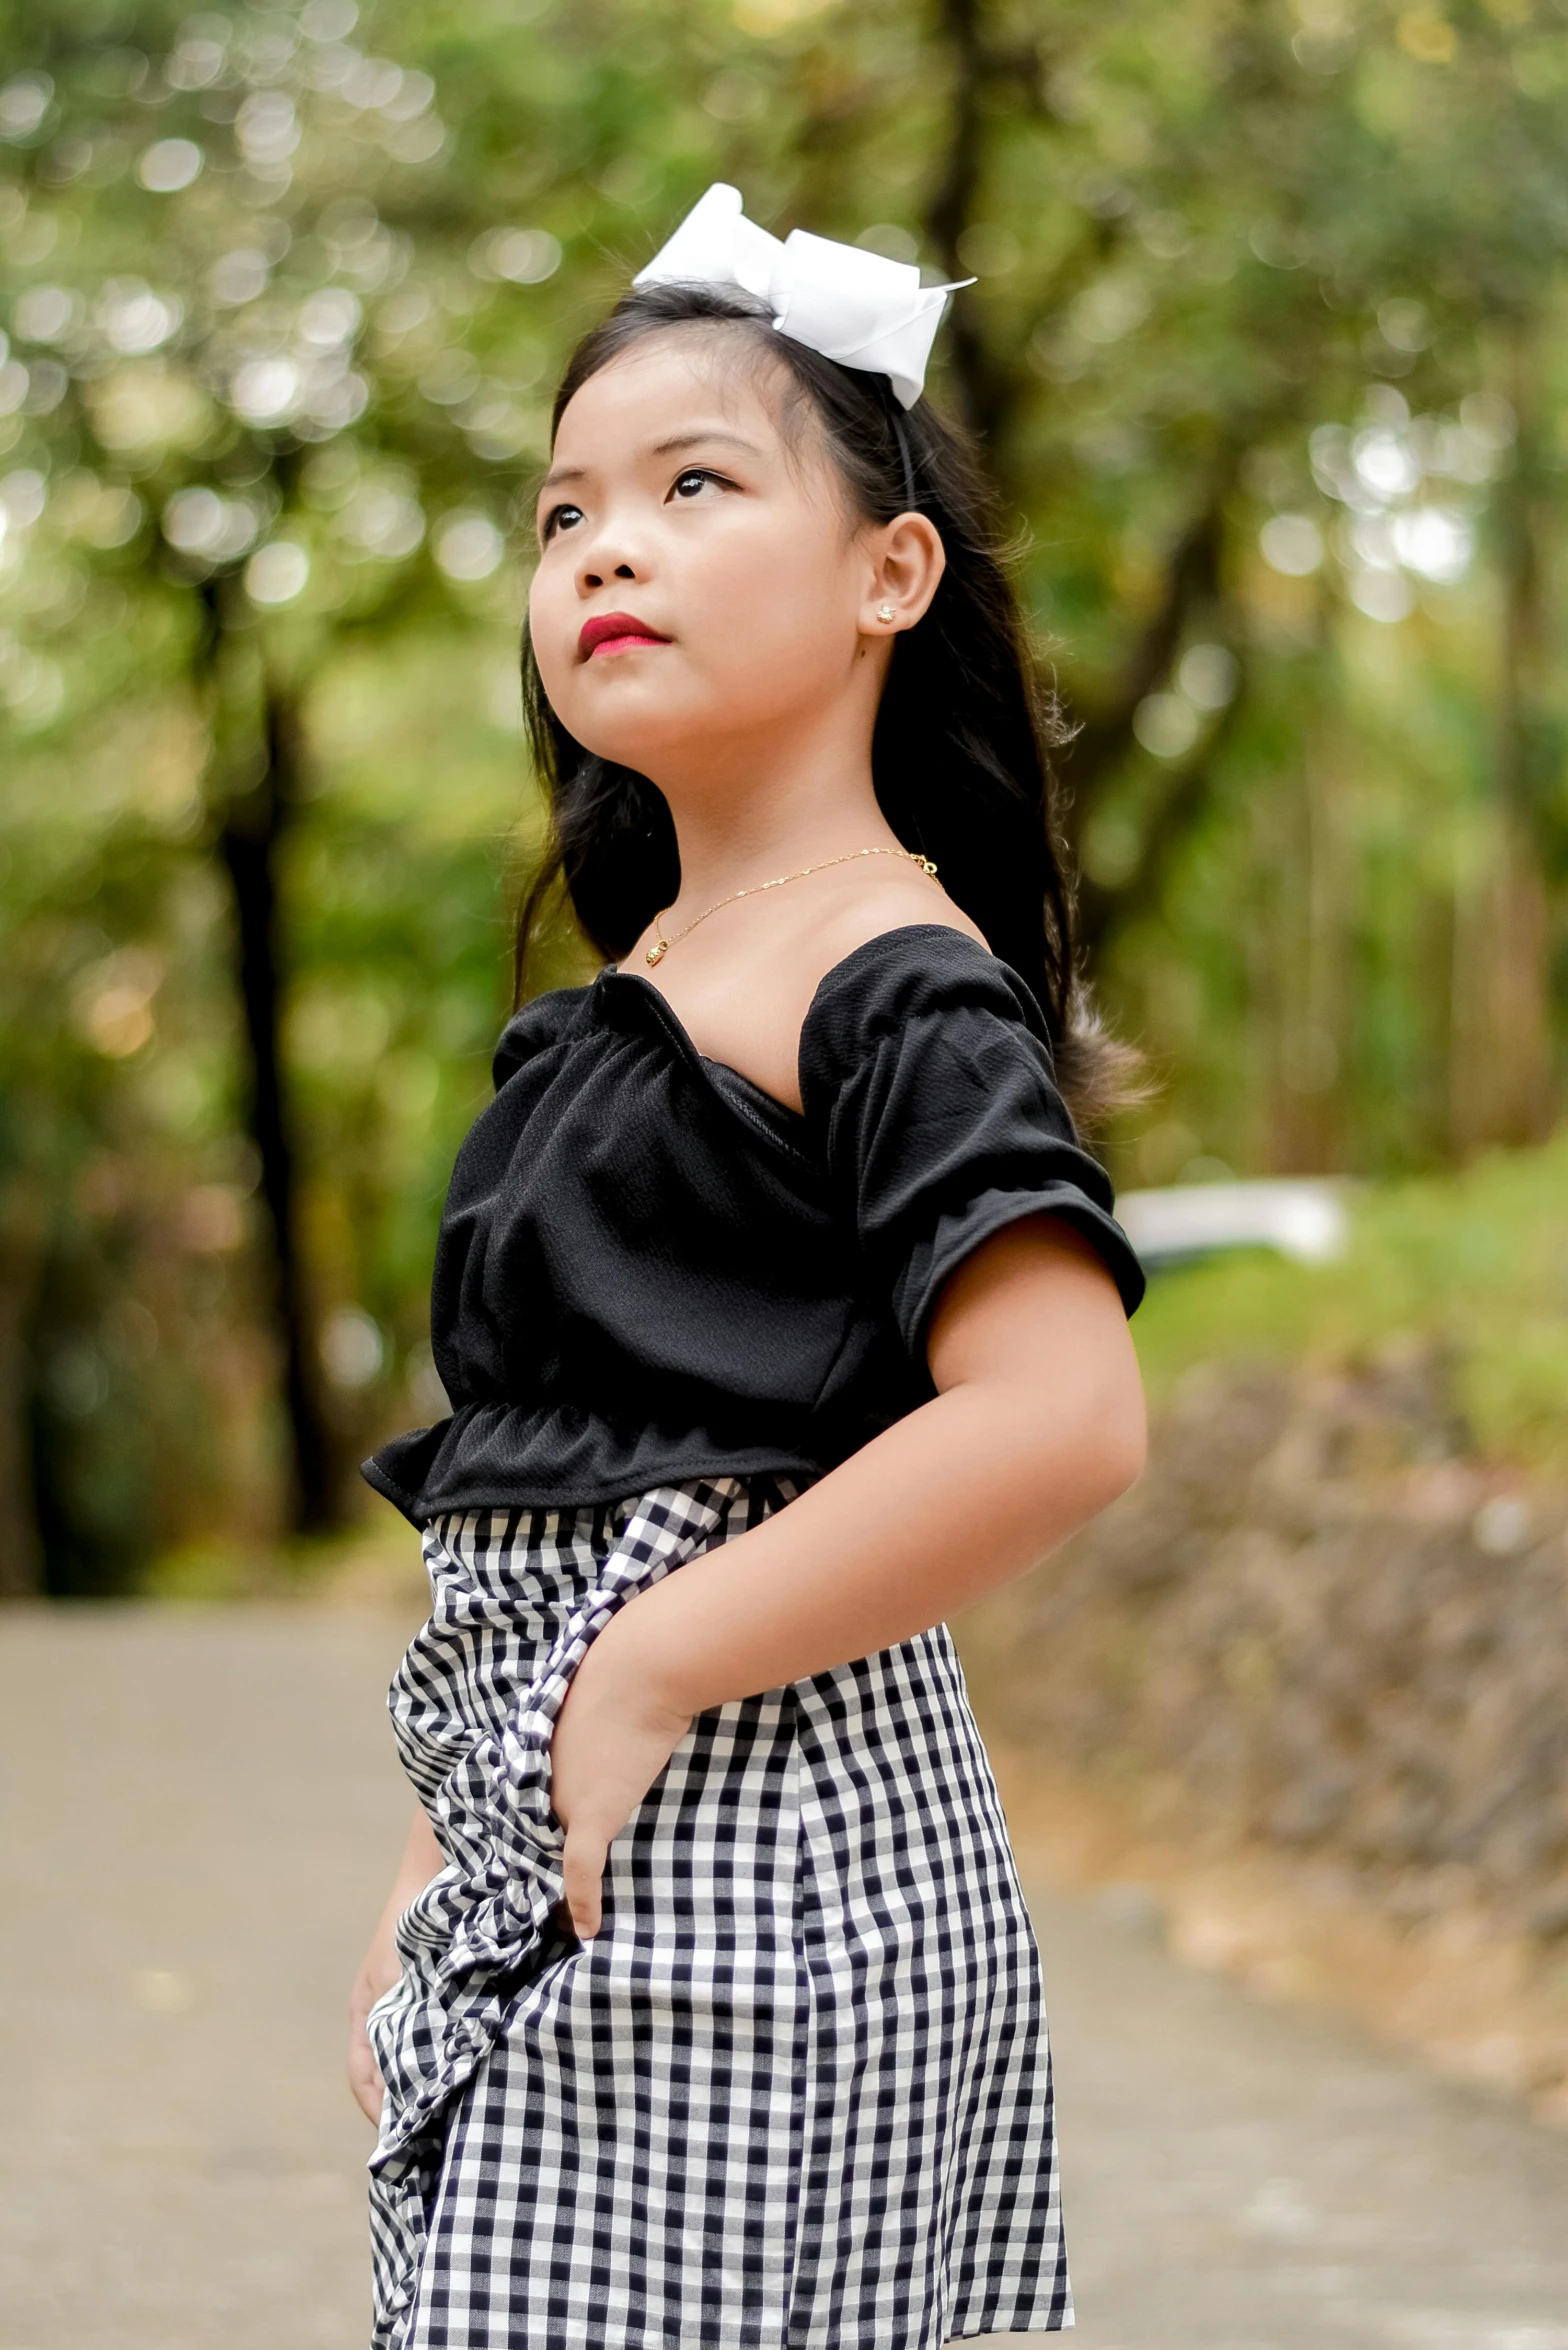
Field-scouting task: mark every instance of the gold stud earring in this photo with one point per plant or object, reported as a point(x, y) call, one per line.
point(886, 612)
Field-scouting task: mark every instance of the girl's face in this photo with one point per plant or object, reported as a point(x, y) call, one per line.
point(744, 590)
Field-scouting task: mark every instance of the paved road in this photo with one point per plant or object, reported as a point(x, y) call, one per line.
point(201, 1814)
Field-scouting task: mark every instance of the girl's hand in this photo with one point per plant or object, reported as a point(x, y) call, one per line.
point(613, 1736)
point(379, 1972)
point(423, 1860)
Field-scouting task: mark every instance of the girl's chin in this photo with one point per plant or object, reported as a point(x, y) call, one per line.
point(652, 735)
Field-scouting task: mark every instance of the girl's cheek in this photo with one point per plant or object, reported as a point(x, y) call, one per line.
point(545, 627)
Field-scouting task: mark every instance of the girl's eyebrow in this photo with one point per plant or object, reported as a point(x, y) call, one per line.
point(680, 440)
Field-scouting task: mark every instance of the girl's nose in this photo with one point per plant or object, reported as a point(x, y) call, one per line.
point(608, 551)
point(594, 574)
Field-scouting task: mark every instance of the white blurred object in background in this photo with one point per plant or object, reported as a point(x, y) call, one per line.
point(1306, 1219)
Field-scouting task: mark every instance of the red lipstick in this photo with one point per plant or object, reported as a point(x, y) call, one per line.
point(614, 632)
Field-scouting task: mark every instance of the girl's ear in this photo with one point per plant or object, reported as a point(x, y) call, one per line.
point(907, 563)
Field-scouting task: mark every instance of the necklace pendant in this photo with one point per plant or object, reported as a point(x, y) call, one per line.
point(657, 952)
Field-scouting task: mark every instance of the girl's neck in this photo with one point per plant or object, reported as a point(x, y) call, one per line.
point(786, 813)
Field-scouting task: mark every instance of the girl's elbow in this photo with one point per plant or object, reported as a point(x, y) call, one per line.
point(1113, 1447)
point(1081, 1443)
point(1124, 1446)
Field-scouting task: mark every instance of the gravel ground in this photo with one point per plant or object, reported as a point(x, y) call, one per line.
point(202, 1815)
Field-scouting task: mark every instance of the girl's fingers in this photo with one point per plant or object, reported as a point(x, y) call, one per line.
point(364, 2079)
point(582, 1867)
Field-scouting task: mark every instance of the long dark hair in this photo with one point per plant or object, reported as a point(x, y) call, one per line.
point(960, 753)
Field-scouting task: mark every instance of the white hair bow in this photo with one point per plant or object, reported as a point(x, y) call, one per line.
point(853, 306)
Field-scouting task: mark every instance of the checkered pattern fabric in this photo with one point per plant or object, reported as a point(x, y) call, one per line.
point(796, 2092)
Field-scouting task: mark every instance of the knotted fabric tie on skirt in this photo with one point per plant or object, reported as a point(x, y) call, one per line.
point(466, 1939)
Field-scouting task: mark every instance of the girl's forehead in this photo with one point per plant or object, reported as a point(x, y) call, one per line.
point(671, 381)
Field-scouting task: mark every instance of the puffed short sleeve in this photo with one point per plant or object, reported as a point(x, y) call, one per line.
point(926, 1069)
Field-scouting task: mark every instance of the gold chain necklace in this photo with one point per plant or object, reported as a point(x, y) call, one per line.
point(662, 945)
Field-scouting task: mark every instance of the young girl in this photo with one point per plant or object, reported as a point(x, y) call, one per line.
point(783, 1314)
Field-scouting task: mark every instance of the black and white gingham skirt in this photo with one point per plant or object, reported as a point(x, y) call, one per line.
point(796, 2092)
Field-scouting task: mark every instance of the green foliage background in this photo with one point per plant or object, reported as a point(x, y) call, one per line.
point(1264, 354)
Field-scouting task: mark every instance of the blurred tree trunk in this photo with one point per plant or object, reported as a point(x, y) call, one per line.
point(21, 1264)
point(984, 70)
point(982, 398)
point(248, 844)
point(258, 758)
point(991, 390)
point(1298, 965)
point(1502, 1045)
point(1174, 815)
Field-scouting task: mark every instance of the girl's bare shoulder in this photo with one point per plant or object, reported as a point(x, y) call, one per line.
point(894, 902)
point(743, 998)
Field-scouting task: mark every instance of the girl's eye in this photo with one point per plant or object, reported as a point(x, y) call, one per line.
point(553, 519)
point(693, 473)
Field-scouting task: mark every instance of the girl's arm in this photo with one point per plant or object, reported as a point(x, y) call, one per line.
point(1037, 1424)
point(422, 1860)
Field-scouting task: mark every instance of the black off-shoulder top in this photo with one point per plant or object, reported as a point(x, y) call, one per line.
point(649, 1269)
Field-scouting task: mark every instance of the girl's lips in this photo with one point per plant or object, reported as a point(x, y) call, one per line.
point(615, 632)
point(623, 644)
